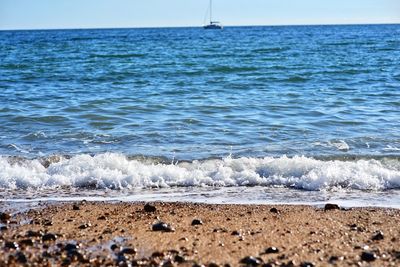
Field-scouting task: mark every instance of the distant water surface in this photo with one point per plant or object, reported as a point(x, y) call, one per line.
point(306, 107)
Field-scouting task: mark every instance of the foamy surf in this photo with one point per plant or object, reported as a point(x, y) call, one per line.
point(116, 171)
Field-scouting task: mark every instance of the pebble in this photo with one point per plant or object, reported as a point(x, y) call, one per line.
point(251, 261)
point(26, 242)
point(163, 227)
point(75, 207)
point(49, 237)
point(3, 228)
point(21, 258)
point(179, 259)
point(235, 233)
point(271, 250)
point(331, 207)
point(274, 210)
point(102, 218)
point(368, 256)
point(11, 245)
point(378, 236)
point(31, 233)
point(307, 264)
point(129, 251)
point(333, 259)
point(71, 247)
point(4, 217)
point(84, 226)
point(149, 208)
point(197, 222)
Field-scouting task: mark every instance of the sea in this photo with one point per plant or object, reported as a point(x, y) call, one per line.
point(248, 115)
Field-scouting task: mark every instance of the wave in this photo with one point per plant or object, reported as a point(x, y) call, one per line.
point(116, 171)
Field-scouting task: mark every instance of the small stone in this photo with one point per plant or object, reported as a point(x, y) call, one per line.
point(21, 258)
point(129, 251)
point(102, 218)
point(3, 228)
point(334, 259)
point(235, 233)
point(251, 261)
point(84, 226)
point(31, 233)
point(11, 245)
point(197, 222)
point(274, 210)
point(378, 236)
point(162, 227)
point(113, 247)
point(75, 207)
point(179, 259)
point(71, 247)
point(307, 264)
point(331, 207)
point(26, 242)
point(49, 237)
point(271, 250)
point(149, 208)
point(4, 217)
point(368, 256)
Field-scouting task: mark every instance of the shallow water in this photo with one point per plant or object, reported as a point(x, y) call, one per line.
point(310, 108)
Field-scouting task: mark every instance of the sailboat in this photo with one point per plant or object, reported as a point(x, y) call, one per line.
point(214, 25)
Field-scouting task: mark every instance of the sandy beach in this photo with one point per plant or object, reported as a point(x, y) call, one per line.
point(133, 234)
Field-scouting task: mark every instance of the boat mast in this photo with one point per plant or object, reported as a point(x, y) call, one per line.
point(210, 11)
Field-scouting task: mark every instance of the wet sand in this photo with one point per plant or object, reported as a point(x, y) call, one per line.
point(127, 234)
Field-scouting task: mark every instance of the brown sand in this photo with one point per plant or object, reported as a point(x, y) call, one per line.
point(228, 234)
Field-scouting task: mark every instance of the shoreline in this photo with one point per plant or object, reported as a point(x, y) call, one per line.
point(100, 233)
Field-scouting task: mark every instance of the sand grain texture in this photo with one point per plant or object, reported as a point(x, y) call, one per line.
point(99, 234)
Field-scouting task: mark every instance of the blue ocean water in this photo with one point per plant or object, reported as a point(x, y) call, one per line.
point(299, 107)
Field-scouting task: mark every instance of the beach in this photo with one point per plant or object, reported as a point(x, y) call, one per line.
point(133, 234)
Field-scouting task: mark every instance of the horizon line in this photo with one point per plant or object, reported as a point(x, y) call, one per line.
point(197, 26)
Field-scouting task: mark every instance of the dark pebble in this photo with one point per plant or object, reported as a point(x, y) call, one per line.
point(149, 208)
point(75, 207)
point(334, 259)
point(31, 233)
point(212, 264)
point(49, 237)
point(71, 247)
point(274, 210)
point(113, 247)
point(163, 227)
point(179, 259)
point(271, 250)
point(251, 261)
point(102, 218)
point(4, 216)
point(129, 251)
point(378, 236)
point(235, 233)
point(331, 207)
point(368, 256)
point(11, 245)
point(84, 226)
point(26, 242)
point(307, 264)
point(21, 258)
point(197, 222)
point(3, 228)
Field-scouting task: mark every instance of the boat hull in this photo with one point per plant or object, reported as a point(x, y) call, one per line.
point(213, 27)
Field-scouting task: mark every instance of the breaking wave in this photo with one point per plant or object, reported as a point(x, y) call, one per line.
point(117, 171)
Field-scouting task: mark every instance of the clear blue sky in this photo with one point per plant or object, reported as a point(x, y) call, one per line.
point(50, 14)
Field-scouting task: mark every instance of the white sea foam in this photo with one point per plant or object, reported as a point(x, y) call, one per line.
point(116, 171)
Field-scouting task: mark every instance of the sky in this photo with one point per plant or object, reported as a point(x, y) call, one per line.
point(61, 14)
